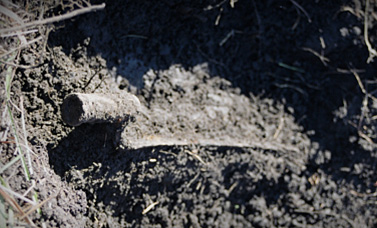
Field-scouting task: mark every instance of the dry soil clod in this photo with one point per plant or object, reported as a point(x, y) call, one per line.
point(79, 108)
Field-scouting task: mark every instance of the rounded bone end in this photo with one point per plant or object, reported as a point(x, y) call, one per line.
point(72, 110)
point(79, 108)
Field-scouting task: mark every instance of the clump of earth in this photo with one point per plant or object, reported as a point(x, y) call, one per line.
point(251, 116)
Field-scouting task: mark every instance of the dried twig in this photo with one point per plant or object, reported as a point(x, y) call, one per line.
point(150, 207)
point(196, 156)
point(37, 206)
point(302, 9)
point(21, 31)
point(357, 77)
point(371, 50)
point(17, 195)
point(20, 47)
point(373, 194)
point(15, 205)
point(321, 57)
point(54, 19)
point(280, 127)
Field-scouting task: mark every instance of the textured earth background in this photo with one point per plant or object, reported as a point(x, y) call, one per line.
point(262, 114)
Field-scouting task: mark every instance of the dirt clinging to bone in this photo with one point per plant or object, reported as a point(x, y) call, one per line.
point(251, 116)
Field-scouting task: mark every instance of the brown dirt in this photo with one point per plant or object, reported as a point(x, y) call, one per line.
point(242, 124)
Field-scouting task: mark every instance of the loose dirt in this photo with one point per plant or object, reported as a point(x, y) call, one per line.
point(252, 116)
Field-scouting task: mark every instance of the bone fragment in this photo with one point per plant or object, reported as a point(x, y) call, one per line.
point(79, 108)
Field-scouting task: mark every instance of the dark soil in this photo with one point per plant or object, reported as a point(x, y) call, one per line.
point(252, 116)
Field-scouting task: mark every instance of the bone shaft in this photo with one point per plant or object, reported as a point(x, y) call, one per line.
point(79, 108)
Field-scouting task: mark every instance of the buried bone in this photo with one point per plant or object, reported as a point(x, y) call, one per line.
point(79, 108)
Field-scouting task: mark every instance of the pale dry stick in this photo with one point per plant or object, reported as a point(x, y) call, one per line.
point(353, 192)
point(280, 127)
point(347, 71)
point(19, 33)
point(196, 156)
point(17, 195)
point(232, 187)
point(16, 18)
point(29, 189)
point(228, 36)
point(36, 207)
point(55, 18)
point(15, 205)
point(218, 18)
point(215, 6)
point(356, 12)
point(361, 134)
point(294, 26)
point(150, 207)
point(10, 163)
point(364, 136)
point(357, 77)
point(25, 135)
point(9, 13)
point(27, 148)
point(134, 36)
point(10, 4)
point(232, 2)
point(167, 152)
point(47, 33)
point(371, 50)
point(364, 109)
point(289, 86)
point(365, 102)
point(9, 77)
point(321, 57)
point(302, 9)
point(20, 47)
point(192, 180)
point(362, 86)
point(4, 133)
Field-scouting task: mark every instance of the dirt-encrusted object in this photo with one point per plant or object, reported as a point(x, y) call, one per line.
point(79, 108)
point(241, 124)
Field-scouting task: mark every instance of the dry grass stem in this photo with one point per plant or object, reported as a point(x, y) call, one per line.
point(302, 9)
point(20, 30)
point(55, 19)
point(321, 57)
point(196, 156)
point(280, 127)
point(36, 207)
point(19, 33)
point(14, 205)
point(150, 207)
point(28, 156)
point(357, 77)
point(9, 191)
point(20, 47)
point(371, 50)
